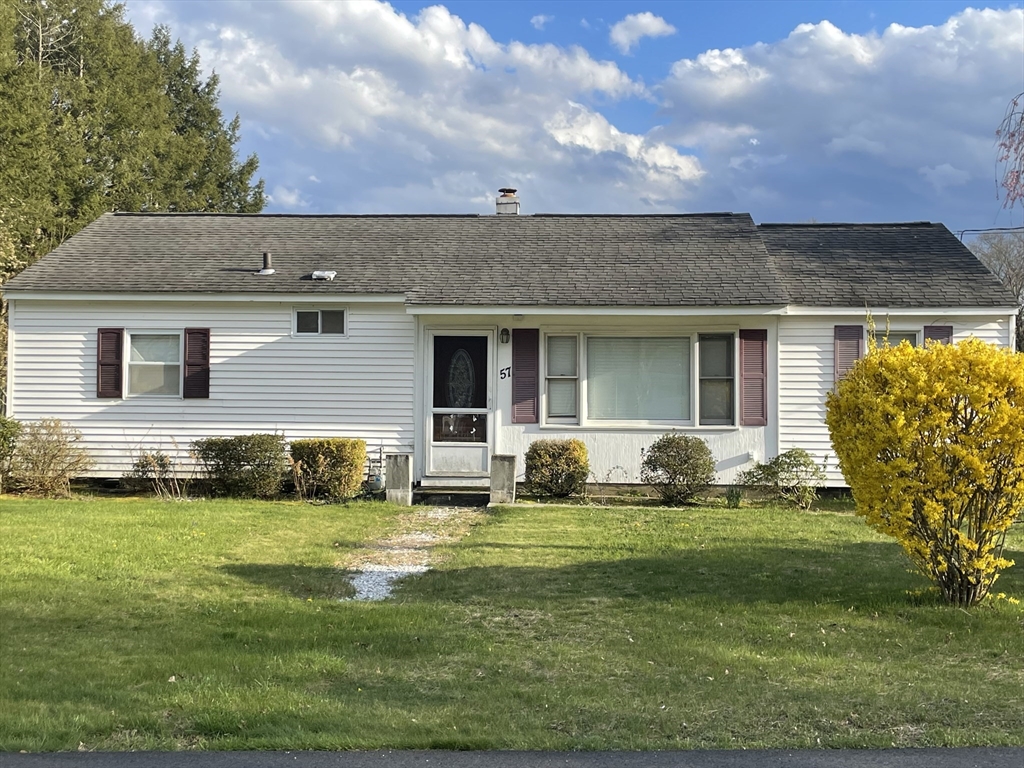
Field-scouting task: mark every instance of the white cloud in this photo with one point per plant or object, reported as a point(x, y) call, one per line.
point(663, 169)
point(314, 179)
point(867, 123)
point(945, 175)
point(428, 109)
point(429, 113)
point(540, 20)
point(284, 197)
point(628, 32)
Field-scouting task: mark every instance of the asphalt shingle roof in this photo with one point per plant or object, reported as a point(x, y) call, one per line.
point(882, 265)
point(540, 260)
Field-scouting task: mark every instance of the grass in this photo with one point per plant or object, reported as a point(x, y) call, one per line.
point(544, 628)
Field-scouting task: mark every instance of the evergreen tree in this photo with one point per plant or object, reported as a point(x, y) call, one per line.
point(95, 119)
point(200, 171)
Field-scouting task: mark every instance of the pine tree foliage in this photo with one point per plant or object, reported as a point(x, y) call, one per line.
point(96, 119)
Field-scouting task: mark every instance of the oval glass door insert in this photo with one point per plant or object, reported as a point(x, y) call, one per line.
point(461, 380)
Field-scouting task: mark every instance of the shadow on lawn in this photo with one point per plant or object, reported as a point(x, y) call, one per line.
point(301, 581)
point(865, 572)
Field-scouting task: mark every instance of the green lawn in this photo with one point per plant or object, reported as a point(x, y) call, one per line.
point(553, 628)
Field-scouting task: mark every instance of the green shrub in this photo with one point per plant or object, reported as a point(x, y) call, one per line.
point(245, 466)
point(9, 431)
point(47, 458)
point(557, 468)
point(330, 468)
point(678, 467)
point(792, 476)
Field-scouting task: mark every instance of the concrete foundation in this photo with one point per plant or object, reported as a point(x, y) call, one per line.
point(503, 479)
point(398, 478)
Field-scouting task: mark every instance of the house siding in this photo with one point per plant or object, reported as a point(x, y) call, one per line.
point(263, 379)
point(806, 373)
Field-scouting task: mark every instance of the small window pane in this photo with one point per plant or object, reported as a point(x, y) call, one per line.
point(153, 348)
point(716, 401)
point(894, 338)
point(561, 356)
point(153, 379)
point(716, 357)
point(460, 428)
point(562, 398)
point(307, 322)
point(332, 321)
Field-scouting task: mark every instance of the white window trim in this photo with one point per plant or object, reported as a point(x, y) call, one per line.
point(319, 308)
point(583, 422)
point(561, 421)
point(735, 379)
point(126, 355)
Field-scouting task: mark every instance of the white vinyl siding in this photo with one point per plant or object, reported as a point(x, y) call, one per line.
point(806, 374)
point(263, 378)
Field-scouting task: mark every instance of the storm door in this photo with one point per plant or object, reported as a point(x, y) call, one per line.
point(459, 392)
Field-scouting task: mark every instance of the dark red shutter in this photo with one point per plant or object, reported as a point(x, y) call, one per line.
point(109, 354)
point(849, 348)
point(525, 375)
point(197, 363)
point(753, 377)
point(940, 333)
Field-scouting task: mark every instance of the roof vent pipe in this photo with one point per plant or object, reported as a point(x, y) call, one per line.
point(268, 267)
point(508, 203)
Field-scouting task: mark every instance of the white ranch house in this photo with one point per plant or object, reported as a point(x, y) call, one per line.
point(454, 338)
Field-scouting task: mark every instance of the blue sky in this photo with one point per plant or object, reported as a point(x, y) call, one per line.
point(834, 111)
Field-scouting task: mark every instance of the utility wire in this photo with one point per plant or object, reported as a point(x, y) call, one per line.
point(963, 232)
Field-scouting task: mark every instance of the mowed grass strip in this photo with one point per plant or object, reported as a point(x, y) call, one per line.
point(544, 628)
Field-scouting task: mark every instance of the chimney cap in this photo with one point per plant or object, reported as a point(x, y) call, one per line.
point(507, 191)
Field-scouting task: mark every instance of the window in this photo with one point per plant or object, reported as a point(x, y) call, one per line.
point(154, 364)
point(638, 379)
point(893, 338)
point(716, 378)
point(562, 378)
point(315, 322)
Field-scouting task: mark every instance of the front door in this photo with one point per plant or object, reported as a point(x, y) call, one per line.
point(459, 398)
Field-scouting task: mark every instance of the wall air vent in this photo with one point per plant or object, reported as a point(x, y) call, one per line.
point(322, 275)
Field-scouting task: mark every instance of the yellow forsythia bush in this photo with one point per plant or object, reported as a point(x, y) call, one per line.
point(931, 442)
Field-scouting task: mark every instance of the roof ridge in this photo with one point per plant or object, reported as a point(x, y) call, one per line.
point(823, 224)
point(229, 214)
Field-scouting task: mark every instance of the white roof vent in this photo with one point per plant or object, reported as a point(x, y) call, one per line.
point(323, 274)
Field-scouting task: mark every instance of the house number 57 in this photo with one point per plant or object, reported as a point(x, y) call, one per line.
point(506, 372)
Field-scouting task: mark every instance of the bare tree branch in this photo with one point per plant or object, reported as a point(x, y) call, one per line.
point(1010, 151)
